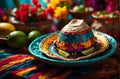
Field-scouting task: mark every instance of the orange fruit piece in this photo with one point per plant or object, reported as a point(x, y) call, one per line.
point(5, 18)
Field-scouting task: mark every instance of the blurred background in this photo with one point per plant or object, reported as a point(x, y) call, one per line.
point(10, 3)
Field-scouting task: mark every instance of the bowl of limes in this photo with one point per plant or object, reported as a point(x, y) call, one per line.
point(81, 12)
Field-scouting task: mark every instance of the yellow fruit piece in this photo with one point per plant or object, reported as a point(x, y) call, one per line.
point(88, 51)
point(6, 28)
point(63, 53)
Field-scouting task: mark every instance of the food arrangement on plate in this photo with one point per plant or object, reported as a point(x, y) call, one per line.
point(76, 44)
point(75, 41)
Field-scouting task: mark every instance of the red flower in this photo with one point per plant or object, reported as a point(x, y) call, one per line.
point(43, 15)
point(35, 2)
point(25, 7)
point(26, 12)
point(34, 11)
point(88, 3)
point(24, 16)
point(17, 14)
point(38, 5)
point(50, 11)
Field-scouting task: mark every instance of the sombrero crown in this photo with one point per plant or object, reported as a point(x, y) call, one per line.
point(75, 37)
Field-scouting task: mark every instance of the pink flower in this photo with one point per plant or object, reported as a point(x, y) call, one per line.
point(111, 6)
point(110, 9)
point(1, 12)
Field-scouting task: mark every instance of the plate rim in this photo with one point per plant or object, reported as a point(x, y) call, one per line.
point(92, 60)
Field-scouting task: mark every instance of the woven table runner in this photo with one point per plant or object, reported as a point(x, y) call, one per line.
point(21, 65)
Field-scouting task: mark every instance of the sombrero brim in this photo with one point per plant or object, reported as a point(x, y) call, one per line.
point(46, 46)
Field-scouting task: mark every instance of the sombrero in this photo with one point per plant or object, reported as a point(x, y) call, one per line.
point(75, 41)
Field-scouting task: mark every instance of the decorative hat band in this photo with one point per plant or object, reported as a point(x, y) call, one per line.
point(75, 38)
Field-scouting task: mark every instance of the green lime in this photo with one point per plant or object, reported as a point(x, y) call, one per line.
point(81, 8)
point(88, 51)
point(17, 39)
point(111, 16)
point(86, 9)
point(76, 8)
point(33, 35)
point(104, 12)
point(98, 13)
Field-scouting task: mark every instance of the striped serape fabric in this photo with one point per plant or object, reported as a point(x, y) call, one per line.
point(22, 65)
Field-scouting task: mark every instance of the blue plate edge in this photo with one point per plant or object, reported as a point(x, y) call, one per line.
point(73, 62)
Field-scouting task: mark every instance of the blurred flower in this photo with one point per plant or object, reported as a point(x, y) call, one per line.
point(35, 2)
point(27, 12)
point(1, 12)
point(33, 10)
point(99, 4)
point(3, 15)
point(60, 8)
point(61, 13)
point(50, 11)
point(88, 3)
point(38, 5)
point(53, 3)
point(25, 7)
point(111, 6)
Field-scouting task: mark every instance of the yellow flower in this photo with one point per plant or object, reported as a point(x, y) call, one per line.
point(53, 3)
point(56, 1)
point(57, 13)
point(61, 12)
